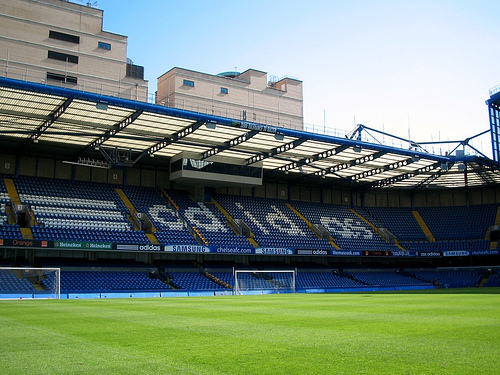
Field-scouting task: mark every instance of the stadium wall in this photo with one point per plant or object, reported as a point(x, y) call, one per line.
point(33, 166)
point(158, 176)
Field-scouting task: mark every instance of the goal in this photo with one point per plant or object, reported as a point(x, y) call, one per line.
point(264, 282)
point(19, 282)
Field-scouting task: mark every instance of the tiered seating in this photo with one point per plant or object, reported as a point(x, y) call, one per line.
point(272, 222)
point(323, 280)
point(4, 200)
point(193, 281)
point(9, 282)
point(493, 280)
point(386, 278)
point(3, 214)
point(226, 277)
point(170, 228)
point(459, 223)
point(77, 211)
point(399, 221)
point(208, 220)
point(451, 278)
point(347, 229)
point(10, 231)
point(99, 281)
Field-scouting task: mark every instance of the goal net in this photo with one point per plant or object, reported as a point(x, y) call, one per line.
point(18, 282)
point(264, 282)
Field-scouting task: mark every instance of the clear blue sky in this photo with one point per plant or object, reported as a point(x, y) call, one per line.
point(420, 67)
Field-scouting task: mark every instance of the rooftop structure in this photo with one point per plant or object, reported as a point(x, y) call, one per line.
point(61, 43)
point(247, 96)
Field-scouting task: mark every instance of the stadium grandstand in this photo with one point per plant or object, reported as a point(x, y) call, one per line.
point(129, 198)
point(140, 199)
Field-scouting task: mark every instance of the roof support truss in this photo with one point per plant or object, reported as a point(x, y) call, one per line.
point(52, 118)
point(275, 151)
point(173, 138)
point(117, 128)
point(392, 180)
point(351, 163)
point(228, 144)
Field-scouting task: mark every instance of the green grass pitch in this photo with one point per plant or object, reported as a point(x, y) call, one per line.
point(434, 332)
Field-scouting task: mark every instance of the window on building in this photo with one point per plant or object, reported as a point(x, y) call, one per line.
point(62, 36)
point(104, 45)
point(135, 71)
point(63, 57)
point(62, 78)
point(188, 83)
point(224, 90)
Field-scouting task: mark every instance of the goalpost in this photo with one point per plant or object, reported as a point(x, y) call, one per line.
point(264, 282)
point(21, 282)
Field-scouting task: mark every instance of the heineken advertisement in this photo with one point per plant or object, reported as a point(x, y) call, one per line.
point(83, 245)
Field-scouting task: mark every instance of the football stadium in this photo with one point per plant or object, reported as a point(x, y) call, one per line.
point(284, 250)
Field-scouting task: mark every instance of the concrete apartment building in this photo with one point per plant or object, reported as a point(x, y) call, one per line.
point(248, 96)
point(61, 43)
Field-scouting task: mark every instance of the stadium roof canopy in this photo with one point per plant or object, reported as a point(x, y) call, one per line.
point(82, 126)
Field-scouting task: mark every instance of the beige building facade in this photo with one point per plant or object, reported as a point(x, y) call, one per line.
point(61, 43)
point(247, 96)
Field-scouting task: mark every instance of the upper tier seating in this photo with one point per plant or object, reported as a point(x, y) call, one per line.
point(4, 200)
point(346, 228)
point(459, 223)
point(170, 229)
point(8, 231)
point(208, 220)
point(83, 211)
point(77, 211)
point(272, 222)
point(399, 221)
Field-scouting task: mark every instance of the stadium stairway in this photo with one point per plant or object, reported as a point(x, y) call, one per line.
point(195, 232)
point(15, 199)
point(170, 199)
point(212, 277)
point(36, 282)
point(132, 211)
point(423, 226)
point(494, 244)
point(231, 223)
point(484, 279)
point(376, 229)
point(12, 190)
point(310, 226)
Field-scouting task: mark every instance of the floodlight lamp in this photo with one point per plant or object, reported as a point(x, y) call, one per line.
point(357, 148)
point(279, 137)
point(210, 125)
